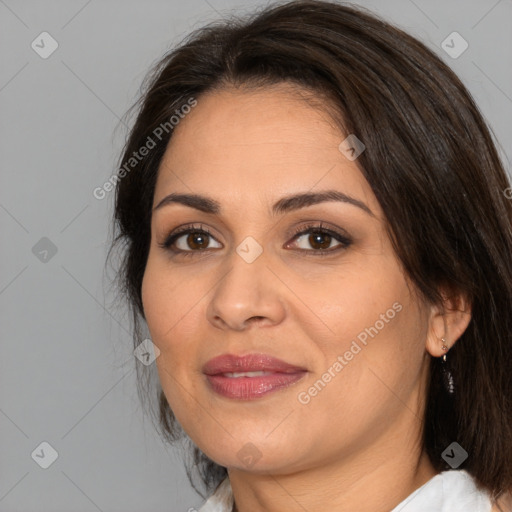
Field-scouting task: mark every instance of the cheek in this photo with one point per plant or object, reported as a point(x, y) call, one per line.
point(170, 315)
point(362, 387)
point(151, 292)
point(362, 304)
point(165, 301)
point(375, 334)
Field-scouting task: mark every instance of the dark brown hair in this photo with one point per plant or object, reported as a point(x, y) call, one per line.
point(430, 161)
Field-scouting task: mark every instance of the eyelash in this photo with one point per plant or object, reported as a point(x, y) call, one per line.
point(302, 230)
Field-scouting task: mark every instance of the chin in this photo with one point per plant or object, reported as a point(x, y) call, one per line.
point(255, 457)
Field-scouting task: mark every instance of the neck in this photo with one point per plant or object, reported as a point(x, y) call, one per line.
point(378, 479)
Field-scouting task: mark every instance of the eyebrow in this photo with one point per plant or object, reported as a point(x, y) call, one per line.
point(284, 205)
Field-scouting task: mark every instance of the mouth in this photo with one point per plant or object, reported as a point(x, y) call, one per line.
point(251, 376)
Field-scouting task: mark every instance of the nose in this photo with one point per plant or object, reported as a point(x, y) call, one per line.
point(248, 294)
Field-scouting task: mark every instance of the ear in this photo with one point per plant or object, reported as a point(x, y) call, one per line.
point(448, 320)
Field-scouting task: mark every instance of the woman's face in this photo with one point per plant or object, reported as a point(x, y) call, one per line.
point(345, 319)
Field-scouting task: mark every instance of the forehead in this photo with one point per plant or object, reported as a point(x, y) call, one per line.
point(257, 144)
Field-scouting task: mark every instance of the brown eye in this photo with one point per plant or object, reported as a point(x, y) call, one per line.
point(189, 240)
point(197, 240)
point(320, 240)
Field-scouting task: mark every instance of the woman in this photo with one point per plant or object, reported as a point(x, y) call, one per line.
point(318, 238)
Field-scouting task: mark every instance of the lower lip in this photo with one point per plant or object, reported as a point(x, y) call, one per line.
point(248, 388)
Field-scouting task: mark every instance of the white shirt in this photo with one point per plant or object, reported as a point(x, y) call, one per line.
point(449, 491)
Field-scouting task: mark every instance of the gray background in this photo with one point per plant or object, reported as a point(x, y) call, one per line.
point(66, 364)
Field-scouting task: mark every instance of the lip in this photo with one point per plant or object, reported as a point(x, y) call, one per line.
point(279, 375)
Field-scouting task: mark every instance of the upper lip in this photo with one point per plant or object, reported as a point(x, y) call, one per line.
point(230, 363)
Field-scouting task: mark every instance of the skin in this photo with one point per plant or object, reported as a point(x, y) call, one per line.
point(356, 445)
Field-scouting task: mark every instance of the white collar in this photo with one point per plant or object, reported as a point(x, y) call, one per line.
point(449, 491)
